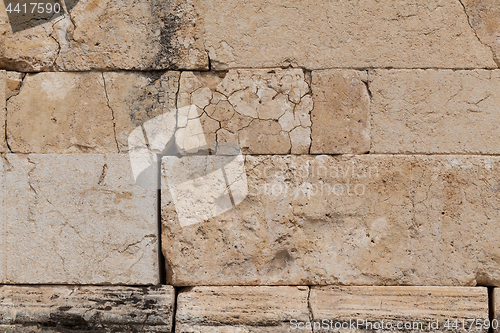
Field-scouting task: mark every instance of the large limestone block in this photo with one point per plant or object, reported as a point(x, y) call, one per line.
point(352, 220)
point(61, 113)
point(77, 219)
point(402, 308)
point(240, 309)
point(263, 111)
point(136, 97)
point(96, 309)
point(341, 34)
point(106, 34)
point(341, 112)
point(435, 111)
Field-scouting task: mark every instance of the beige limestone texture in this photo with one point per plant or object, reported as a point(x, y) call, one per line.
point(240, 309)
point(136, 97)
point(341, 114)
point(4, 90)
point(61, 113)
point(86, 308)
point(400, 304)
point(77, 219)
point(341, 34)
point(435, 111)
point(264, 111)
point(496, 307)
point(351, 220)
point(105, 34)
point(484, 18)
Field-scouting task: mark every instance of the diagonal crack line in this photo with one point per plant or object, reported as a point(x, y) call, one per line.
point(112, 112)
point(469, 21)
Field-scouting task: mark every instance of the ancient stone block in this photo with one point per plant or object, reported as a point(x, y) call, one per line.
point(77, 219)
point(423, 309)
point(240, 309)
point(107, 34)
point(341, 112)
point(136, 97)
point(435, 111)
point(61, 113)
point(264, 111)
point(341, 34)
point(484, 18)
point(86, 308)
point(351, 220)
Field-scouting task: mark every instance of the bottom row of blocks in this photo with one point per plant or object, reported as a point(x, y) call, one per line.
point(246, 309)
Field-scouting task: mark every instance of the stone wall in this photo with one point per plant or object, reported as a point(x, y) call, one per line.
point(250, 166)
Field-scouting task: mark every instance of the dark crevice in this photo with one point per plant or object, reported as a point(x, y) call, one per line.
point(491, 308)
point(174, 310)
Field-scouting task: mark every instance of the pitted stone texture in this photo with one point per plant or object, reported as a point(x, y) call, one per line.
point(341, 34)
point(435, 111)
point(136, 97)
point(240, 309)
point(341, 112)
point(106, 34)
point(4, 91)
point(264, 111)
point(77, 219)
point(352, 220)
point(97, 309)
point(61, 113)
point(484, 17)
point(400, 304)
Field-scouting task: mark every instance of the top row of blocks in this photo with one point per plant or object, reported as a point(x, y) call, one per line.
point(219, 35)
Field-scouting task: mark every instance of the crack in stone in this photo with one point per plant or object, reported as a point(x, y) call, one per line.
point(112, 112)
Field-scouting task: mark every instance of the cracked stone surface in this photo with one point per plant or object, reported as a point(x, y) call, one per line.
point(136, 97)
point(4, 91)
point(341, 114)
point(352, 220)
point(484, 18)
point(435, 111)
point(342, 34)
point(264, 111)
point(51, 309)
point(61, 113)
point(76, 219)
point(394, 304)
point(240, 309)
point(105, 34)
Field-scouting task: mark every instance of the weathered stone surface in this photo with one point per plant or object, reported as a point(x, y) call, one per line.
point(264, 111)
point(61, 113)
point(341, 112)
point(240, 309)
point(353, 220)
point(496, 308)
point(398, 306)
point(77, 219)
point(3, 110)
point(435, 111)
point(484, 18)
point(341, 34)
point(136, 97)
point(106, 34)
point(78, 309)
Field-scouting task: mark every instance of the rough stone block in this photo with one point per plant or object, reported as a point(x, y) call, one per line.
point(415, 307)
point(77, 219)
point(435, 111)
point(240, 309)
point(351, 220)
point(86, 308)
point(342, 34)
point(264, 111)
point(341, 114)
point(106, 34)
